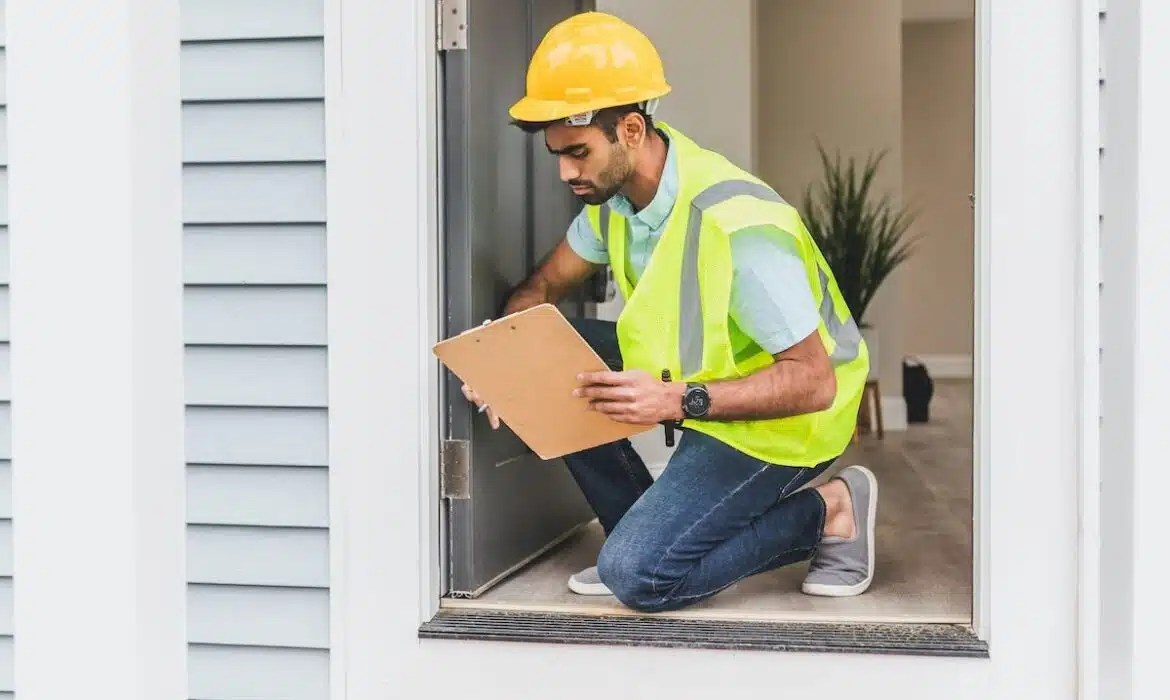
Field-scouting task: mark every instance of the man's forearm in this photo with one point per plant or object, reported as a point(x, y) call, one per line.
point(553, 278)
point(533, 292)
point(785, 388)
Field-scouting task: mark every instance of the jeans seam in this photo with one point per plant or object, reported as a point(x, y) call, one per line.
point(658, 567)
point(628, 466)
point(784, 490)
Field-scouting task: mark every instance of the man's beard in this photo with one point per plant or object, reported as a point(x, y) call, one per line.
point(599, 196)
point(616, 174)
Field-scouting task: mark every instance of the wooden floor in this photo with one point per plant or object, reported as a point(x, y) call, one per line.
point(923, 542)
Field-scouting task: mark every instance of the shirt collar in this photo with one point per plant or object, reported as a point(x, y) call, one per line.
point(655, 213)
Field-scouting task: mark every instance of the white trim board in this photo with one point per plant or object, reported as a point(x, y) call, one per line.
point(382, 476)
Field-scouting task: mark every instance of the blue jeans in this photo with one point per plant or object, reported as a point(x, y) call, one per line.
point(714, 517)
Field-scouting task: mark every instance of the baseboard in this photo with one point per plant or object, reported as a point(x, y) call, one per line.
point(948, 366)
point(894, 416)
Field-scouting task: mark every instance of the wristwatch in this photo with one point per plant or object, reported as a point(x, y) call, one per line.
point(696, 402)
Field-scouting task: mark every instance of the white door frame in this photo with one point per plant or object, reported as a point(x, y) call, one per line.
point(1031, 222)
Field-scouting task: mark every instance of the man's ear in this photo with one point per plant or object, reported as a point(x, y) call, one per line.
point(633, 128)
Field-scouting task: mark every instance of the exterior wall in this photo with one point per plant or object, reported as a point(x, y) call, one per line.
point(255, 333)
point(6, 568)
point(95, 511)
point(94, 210)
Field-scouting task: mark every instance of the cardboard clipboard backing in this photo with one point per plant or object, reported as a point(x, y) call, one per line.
point(525, 367)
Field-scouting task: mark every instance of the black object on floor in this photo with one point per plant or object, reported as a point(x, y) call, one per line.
point(917, 388)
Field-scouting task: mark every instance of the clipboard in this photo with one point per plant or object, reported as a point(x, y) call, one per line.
point(525, 367)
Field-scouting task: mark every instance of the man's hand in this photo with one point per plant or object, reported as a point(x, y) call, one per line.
point(475, 398)
point(632, 397)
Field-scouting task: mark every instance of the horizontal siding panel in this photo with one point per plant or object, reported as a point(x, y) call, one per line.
point(3, 77)
point(5, 372)
point(258, 556)
point(255, 316)
point(263, 194)
point(4, 264)
point(251, 19)
point(263, 131)
point(270, 255)
point(5, 548)
point(5, 490)
point(3, 196)
point(270, 496)
point(255, 436)
point(6, 665)
point(4, 136)
point(4, 329)
point(257, 616)
point(6, 625)
point(253, 70)
point(256, 673)
point(5, 431)
point(254, 376)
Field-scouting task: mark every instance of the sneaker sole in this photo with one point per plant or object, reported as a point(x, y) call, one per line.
point(832, 591)
point(595, 589)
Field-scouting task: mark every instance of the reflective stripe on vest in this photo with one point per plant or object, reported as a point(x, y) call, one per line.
point(845, 335)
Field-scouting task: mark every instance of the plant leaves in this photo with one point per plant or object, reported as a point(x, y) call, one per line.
point(862, 237)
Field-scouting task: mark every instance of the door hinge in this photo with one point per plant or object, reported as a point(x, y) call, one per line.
point(452, 29)
point(455, 463)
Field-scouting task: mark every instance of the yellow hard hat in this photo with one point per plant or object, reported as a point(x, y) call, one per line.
point(588, 62)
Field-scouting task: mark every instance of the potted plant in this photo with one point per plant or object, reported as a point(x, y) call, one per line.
point(863, 236)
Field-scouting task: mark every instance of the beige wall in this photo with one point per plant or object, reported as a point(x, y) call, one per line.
point(938, 141)
point(706, 47)
point(831, 70)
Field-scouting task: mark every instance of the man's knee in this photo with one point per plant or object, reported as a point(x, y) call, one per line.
point(633, 574)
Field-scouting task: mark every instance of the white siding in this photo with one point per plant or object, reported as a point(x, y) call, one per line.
point(255, 362)
point(6, 569)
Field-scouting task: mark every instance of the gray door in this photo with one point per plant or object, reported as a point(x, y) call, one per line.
point(504, 211)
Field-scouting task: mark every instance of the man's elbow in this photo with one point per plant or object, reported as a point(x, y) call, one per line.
point(826, 391)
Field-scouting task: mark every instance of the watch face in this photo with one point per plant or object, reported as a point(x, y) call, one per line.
point(696, 401)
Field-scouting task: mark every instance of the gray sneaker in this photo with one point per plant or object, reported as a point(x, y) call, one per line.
point(588, 582)
point(844, 567)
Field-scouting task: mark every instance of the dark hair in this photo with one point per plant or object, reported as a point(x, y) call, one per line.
point(606, 119)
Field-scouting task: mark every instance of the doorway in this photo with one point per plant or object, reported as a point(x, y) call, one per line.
point(886, 79)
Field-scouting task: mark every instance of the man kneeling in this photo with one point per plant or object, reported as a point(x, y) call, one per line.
point(733, 331)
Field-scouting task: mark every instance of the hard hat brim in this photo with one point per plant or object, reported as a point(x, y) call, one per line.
point(529, 109)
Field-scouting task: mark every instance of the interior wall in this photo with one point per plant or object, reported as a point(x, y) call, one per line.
point(939, 164)
point(708, 50)
point(706, 47)
point(836, 77)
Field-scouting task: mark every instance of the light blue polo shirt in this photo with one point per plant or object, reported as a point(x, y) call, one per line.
point(770, 298)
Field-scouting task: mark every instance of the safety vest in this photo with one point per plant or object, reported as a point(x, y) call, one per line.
point(676, 317)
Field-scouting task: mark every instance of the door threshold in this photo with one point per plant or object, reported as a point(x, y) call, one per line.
point(889, 638)
point(608, 608)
